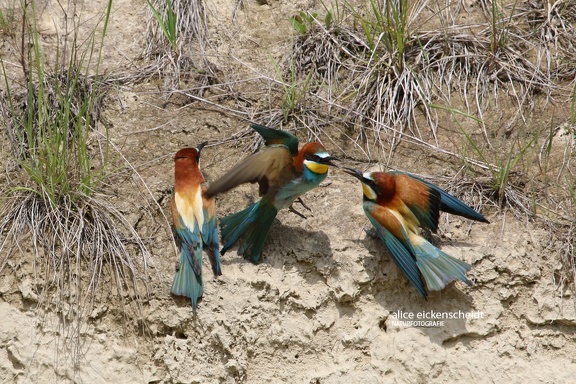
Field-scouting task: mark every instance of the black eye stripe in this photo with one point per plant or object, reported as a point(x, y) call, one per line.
point(372, 184)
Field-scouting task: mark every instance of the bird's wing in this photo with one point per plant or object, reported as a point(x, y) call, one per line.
point(210, 233)
point(450, 203)
point(421, 199)
point(277, 137)
point(270, 167)
point(392, 233)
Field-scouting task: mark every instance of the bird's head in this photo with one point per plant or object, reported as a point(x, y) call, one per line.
point(370, 186)
point(316, 158)
point(190, 154)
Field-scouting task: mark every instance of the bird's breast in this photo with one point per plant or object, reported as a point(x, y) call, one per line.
point(189, 206)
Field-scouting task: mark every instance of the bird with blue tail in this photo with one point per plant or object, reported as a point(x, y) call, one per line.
point(194, 219)
point(283, 174)
point(398, 205)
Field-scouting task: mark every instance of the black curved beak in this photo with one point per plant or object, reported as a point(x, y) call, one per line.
point(328, 160)
point(368, 182)
point(354, 172)
point(200, 146)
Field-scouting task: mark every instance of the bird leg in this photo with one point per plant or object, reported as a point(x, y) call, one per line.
point(371, 232)
point(291, 208)
point(299, 199)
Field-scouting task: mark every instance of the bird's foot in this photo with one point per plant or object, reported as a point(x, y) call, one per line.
point(291, 209)
point(299, 199)
point(371, 232)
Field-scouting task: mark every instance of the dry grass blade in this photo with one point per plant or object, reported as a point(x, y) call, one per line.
point(554, 26)
point(477, 192)
point(328, 54)
point(389, 98)
point(379, 95)
point(461, 58)
point(187, 58)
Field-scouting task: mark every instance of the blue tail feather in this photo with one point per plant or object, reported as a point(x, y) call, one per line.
point(234, 225)
point(254, 224)
point(439, 268)
point(186, 281)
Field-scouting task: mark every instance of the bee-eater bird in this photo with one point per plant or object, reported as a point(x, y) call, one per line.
point(397, 204)
point(283, 174)
point(194, 218)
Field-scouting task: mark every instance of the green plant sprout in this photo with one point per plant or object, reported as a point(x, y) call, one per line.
point(167, 20)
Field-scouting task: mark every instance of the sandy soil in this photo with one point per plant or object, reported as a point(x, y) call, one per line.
point(322, 306)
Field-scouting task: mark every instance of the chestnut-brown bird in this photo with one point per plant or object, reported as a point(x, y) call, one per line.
point(283, 174)
point(397, 204)
point(194, 218)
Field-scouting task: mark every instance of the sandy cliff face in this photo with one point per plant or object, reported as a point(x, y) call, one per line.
point(323, 306)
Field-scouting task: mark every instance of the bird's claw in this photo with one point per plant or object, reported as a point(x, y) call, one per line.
point(291, 209)
point(371, 232)
point(299, 199)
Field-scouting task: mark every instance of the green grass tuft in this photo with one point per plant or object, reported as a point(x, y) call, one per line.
point(57, 200)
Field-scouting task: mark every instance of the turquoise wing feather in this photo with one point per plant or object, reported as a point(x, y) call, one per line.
point(277, 137)
point(211, 243)
point(399, 251)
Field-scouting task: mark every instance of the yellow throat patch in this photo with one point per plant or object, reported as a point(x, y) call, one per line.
point(368, 192)
point(316, 167)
